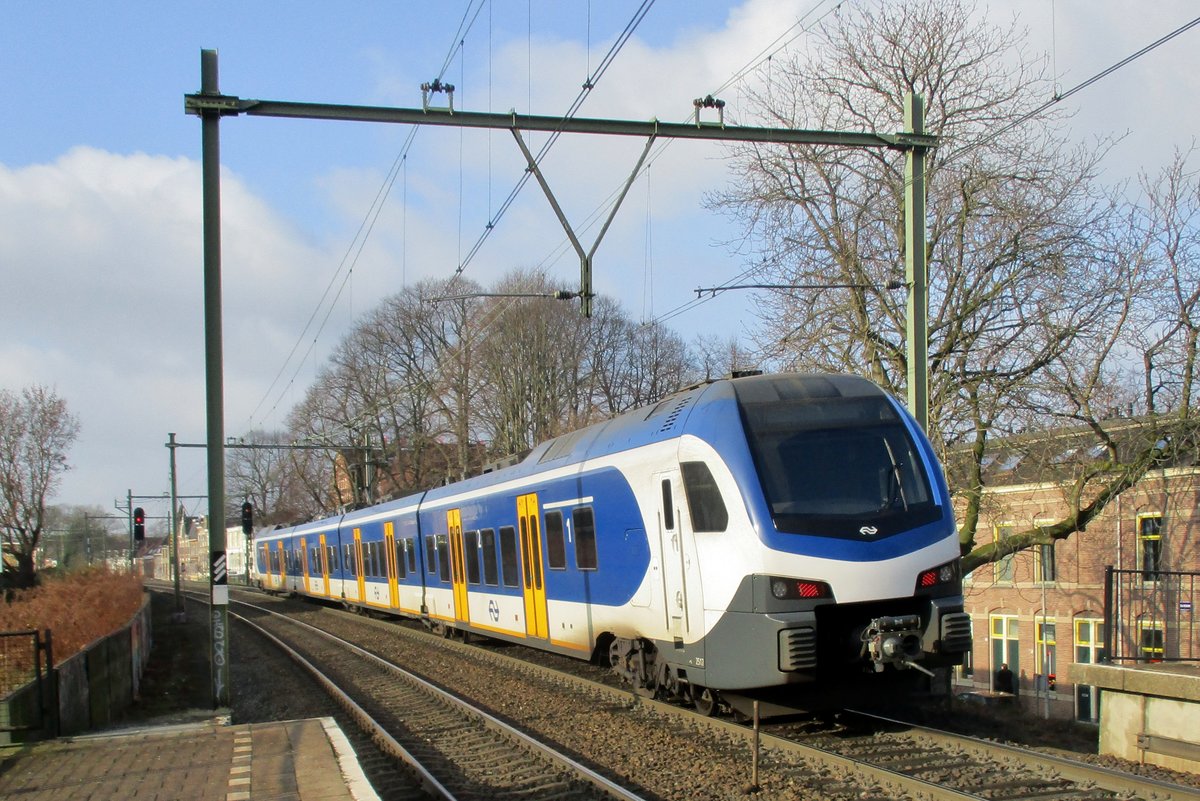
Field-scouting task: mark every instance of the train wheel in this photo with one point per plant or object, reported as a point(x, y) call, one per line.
point(704, 700)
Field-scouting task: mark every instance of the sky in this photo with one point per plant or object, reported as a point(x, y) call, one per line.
point(100, 201)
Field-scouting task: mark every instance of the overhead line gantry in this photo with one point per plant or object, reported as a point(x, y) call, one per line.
point(211, 105)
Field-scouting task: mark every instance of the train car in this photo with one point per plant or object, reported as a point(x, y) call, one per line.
point(779, 537)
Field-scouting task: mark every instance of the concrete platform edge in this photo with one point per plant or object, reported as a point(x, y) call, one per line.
point(352, 772)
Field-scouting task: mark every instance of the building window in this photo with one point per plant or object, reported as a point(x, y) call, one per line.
point(1150, 550)
point(1045, 656)
point(1150, 641)
point(1089, 650)
point(1004, 567)
point(1006, 648)
point(1044, 566)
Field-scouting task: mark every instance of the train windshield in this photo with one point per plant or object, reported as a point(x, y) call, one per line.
point(843, 467)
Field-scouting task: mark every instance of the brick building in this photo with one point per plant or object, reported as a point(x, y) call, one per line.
point(1042, 609)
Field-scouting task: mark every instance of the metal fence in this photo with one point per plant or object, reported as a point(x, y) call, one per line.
point(1149, 616)
point(25, 661)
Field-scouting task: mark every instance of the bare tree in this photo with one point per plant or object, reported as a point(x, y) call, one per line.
point(258, 475)
point(318, 419)
point(530, 357)
point(76, 536)
point(1031, 296)
point(36, 431)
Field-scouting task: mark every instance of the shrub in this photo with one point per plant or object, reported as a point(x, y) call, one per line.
point(78, 608)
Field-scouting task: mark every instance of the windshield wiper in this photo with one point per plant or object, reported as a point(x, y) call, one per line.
point(897, 486)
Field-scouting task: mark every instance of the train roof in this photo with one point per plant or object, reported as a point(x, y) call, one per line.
point(668, 418)
point(658, 422)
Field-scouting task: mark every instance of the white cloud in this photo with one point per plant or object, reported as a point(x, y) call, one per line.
point(104, 301)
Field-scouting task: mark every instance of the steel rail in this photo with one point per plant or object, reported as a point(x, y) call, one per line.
point(1106, 778)
point(384, 740)
point(863, 771)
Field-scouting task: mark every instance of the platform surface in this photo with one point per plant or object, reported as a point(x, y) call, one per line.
point(298, 760)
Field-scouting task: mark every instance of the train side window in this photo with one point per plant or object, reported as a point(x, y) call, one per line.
point(556, 544)
point(584, 521)
point(350, 562)
point(508, 556)
point(443, 558)
point(471, 555)
point(412, 554)
point(332, 552)
point(401, 547)
point(487, 542)
point(376, 568)
point(668, 505)
point(430, 554)
point(704, 498)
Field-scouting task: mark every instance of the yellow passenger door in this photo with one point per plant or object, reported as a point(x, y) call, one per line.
point(325, 564)
point(458, 573)
point(531, 566)
point(389, 540)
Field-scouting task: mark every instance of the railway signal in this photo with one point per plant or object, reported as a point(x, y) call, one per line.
point(247, 517)
point(139, 524)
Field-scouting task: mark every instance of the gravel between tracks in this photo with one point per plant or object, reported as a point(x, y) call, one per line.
point(265, 688)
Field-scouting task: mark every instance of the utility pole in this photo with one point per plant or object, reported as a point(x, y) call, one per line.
point(210, 135)
point(916, 270)
point(173, 517)
point(128, 508)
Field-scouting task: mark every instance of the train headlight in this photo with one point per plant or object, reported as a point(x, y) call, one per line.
point(938, 576)
point(799, 589)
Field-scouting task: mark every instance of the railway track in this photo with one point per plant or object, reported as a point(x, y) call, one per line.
point(696, 757)
point(456, 750)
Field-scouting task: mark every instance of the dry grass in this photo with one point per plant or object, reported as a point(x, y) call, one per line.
point(78, 608)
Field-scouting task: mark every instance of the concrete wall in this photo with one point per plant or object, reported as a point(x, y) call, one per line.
point(1149, 714)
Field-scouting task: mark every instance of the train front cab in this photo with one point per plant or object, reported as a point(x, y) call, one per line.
point(848, 516)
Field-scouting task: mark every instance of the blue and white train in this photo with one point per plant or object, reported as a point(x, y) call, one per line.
point(764, 536)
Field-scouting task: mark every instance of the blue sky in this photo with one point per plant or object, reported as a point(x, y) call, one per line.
point(99, 179)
